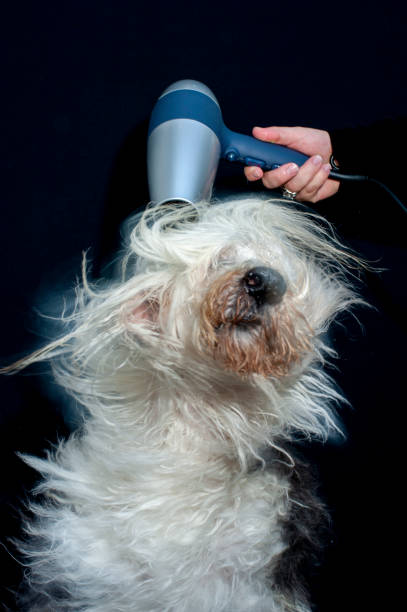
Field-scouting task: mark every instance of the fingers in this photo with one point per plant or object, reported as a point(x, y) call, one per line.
point(273, 178)
point(328, 189)
point(277, 134)
point(310, 182)
point(309, 179)
point(306, 140)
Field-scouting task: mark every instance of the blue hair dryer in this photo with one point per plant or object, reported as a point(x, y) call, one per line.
point(186, 139)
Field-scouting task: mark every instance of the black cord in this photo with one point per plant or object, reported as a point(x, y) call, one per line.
point(399, 202)
point(337, 176)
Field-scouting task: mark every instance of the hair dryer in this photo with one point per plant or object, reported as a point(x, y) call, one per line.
point(186, 139)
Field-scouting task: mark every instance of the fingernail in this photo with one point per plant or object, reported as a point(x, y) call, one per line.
point(291, 169)
point(327, 168)
point(316, 160)
point(256, 173)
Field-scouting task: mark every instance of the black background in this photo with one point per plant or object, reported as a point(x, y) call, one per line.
point(79, 80)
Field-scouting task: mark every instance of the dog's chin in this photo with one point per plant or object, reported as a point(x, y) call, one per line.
point(257, 349)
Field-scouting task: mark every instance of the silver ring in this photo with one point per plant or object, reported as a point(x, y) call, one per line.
point(289, 195)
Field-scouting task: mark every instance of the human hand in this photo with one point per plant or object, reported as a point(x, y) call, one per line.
point(310, 182)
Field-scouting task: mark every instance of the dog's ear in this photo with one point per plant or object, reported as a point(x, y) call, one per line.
point(146, 311)
point(141, 313)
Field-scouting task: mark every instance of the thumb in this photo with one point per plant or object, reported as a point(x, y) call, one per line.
point(279, 135)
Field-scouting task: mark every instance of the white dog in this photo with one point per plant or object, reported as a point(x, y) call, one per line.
point(204, 359)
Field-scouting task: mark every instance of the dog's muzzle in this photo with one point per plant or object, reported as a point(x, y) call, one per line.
point(265, 285)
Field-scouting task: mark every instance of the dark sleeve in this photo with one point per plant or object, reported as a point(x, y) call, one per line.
point(363, 210)
point(376, 150)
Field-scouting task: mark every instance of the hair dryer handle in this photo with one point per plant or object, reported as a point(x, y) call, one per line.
point(252, 152)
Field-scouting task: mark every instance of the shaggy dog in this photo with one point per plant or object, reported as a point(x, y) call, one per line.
point(196, 370)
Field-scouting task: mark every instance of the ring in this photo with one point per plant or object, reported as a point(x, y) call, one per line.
point(289, 195)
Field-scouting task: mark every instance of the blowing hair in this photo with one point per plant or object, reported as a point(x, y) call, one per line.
point(121, 339)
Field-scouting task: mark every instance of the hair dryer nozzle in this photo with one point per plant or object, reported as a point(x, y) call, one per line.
point(183, 148)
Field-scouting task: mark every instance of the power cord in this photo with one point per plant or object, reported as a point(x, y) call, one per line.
point(338, 176)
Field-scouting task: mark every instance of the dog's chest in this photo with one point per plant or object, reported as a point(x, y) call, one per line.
point(206, 515)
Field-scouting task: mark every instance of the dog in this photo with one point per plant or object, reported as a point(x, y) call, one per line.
point(196, 371)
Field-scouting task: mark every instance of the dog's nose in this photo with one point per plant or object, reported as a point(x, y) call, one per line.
point(265, 285)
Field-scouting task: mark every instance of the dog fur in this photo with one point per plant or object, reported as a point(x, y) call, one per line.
point(179, 492)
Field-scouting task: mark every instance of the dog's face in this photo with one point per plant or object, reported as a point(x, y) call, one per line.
point(240, 285)
point(249, 324)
